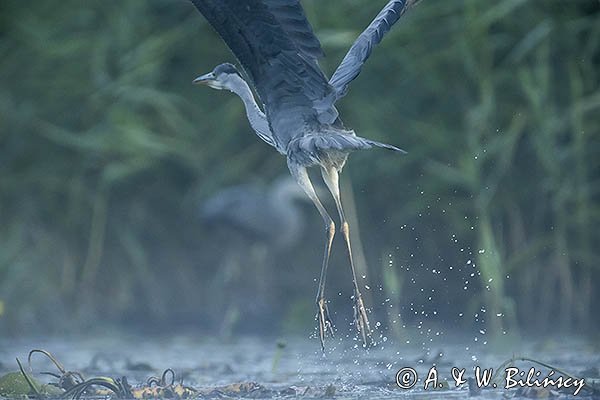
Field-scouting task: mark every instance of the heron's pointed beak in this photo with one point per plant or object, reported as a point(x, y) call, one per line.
point(204, 79)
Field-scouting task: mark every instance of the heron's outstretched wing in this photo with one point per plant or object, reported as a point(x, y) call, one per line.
point(275, 45)
point(290, 15)
point(361, 49)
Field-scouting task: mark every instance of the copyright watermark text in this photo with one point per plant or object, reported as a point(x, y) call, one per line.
point(407, 378)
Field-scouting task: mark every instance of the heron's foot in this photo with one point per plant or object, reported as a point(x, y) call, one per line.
point(361, 320)
point(325, 324)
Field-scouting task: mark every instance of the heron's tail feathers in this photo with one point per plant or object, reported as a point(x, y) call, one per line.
point(311, 148)
point(373, 143)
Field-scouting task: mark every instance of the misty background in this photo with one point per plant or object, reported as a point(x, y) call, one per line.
point(109, 155)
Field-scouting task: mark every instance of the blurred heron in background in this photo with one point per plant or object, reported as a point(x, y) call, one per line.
point(276, 46)
point(265, 214)
point(257, 224)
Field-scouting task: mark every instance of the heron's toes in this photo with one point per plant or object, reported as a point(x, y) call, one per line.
point(361, 320)
point(325, 324)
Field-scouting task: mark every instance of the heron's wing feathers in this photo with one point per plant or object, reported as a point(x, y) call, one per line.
point(291, 17)
point(274, 43)
point(352, 63)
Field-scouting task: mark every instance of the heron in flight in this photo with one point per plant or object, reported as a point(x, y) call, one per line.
point(295, 112)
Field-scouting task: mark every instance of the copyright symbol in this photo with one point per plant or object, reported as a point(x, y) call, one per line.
point(406, 378)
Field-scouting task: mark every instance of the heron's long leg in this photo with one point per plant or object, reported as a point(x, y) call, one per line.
point(301, 176)
point(331, 178)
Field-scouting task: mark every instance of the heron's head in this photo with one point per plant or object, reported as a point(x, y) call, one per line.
point(224, 76)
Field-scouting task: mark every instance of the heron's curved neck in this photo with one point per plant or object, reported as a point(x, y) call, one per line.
point(257, 118)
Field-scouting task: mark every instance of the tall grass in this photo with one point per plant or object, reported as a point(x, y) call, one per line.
point(106, 150)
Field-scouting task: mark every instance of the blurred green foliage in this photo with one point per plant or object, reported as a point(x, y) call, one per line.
point(106, 150)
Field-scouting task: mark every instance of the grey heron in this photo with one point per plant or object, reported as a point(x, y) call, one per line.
point(254, 225)
point(270, 215)
point(275, 44)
